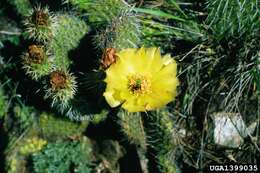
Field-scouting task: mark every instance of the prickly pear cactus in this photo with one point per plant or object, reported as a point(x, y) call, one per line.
point(127, 86)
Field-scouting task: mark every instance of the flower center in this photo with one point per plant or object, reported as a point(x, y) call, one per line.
point(139, 84)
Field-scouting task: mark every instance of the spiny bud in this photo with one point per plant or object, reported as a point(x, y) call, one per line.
point(108, 58)
point(36, 61)
point(58, 80)
point(40, 17)
point(36, 54)
point(40, 24)
point(61, 88)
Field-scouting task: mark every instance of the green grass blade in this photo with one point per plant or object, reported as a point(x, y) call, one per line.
point(174, 3)
point(158, 13)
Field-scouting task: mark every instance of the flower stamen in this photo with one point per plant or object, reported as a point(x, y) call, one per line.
point(139, 84)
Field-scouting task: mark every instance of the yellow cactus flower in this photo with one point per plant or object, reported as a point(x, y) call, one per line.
point(141, 80)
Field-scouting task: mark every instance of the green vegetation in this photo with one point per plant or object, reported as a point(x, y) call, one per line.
point(53, 61)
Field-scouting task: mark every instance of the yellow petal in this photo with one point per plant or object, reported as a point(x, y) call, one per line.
point(111, 100)
point(167, 59)
point(131, 105)
point(168, 71)
point(154, 62)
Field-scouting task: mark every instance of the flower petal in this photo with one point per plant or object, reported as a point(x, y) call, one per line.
point(111, 100)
